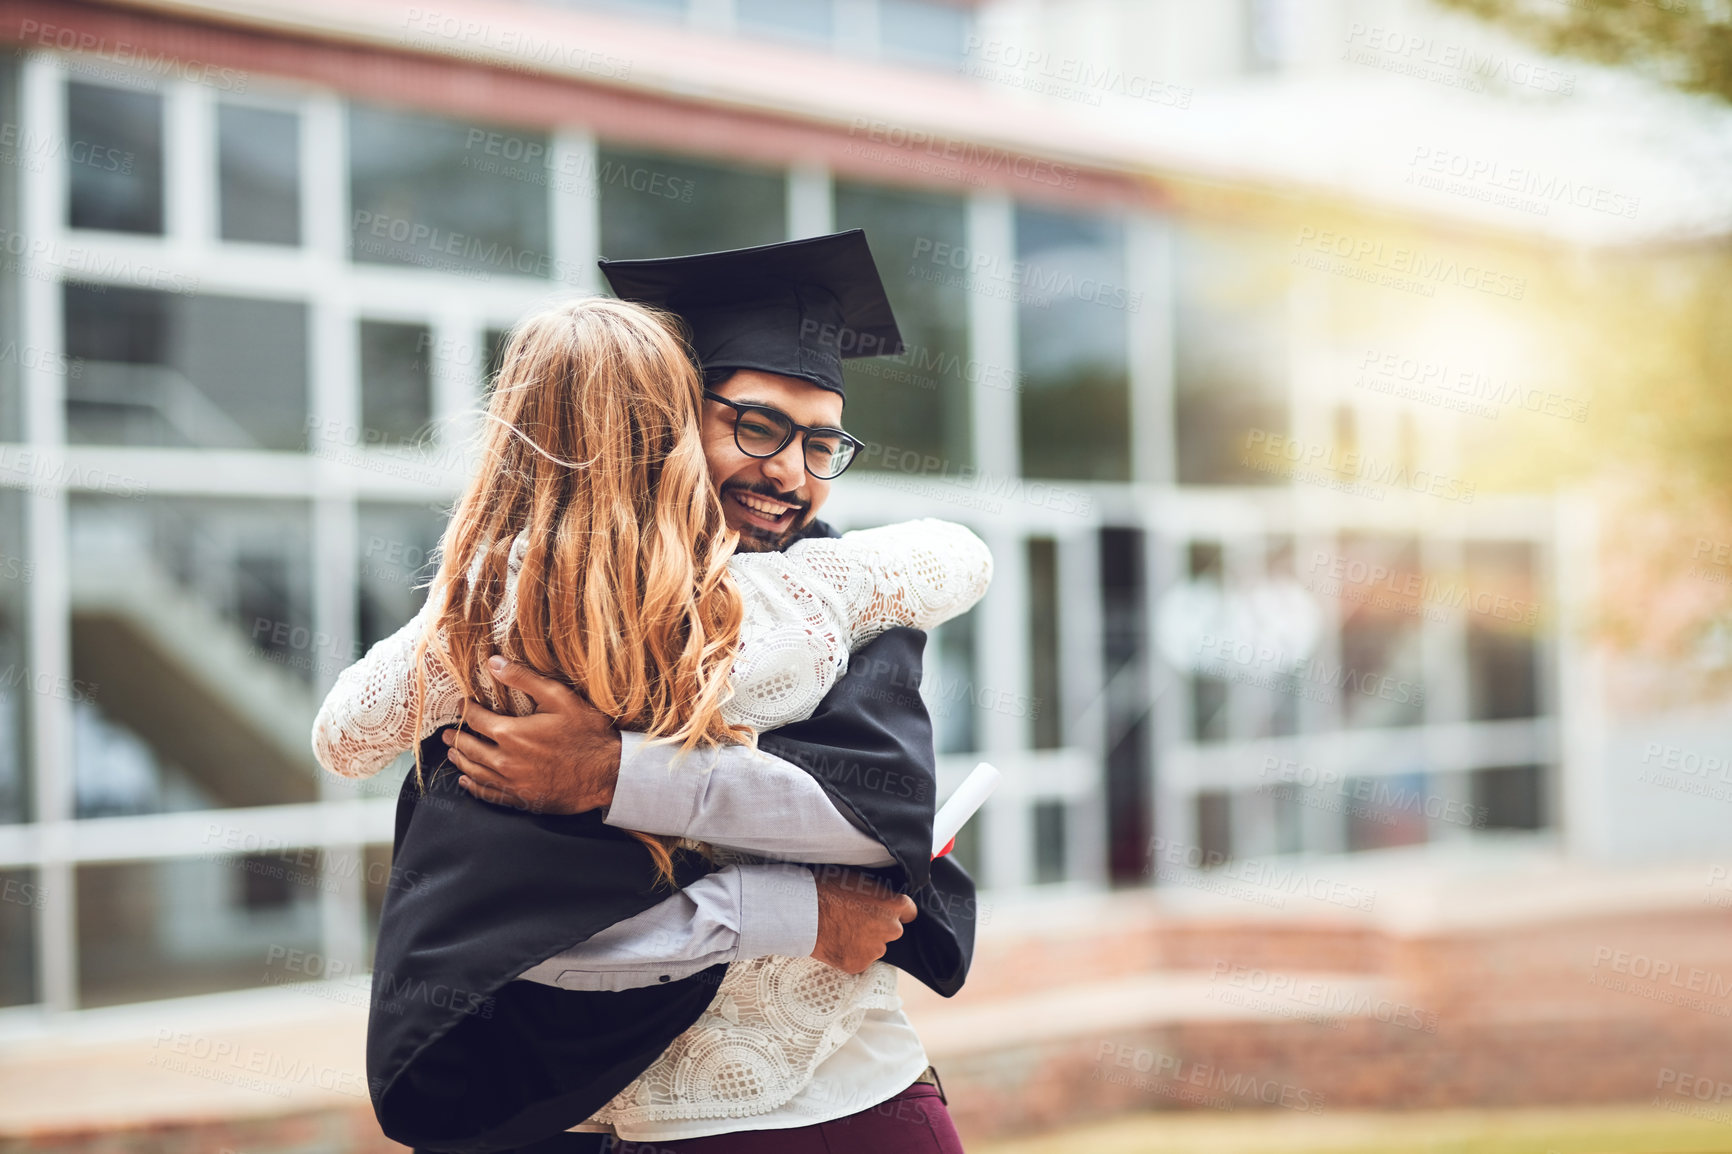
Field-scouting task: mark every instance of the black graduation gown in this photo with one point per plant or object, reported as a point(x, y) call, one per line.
point(462, 1058)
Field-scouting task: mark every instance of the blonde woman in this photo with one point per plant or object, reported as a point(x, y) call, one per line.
point(592, 548)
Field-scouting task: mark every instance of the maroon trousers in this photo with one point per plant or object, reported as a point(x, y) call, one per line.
point(913, 1122)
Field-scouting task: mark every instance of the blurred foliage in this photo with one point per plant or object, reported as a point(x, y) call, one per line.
point(1684, 43)
point(1646, 339)
point(1652, 338)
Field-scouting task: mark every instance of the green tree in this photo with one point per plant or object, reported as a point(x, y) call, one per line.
point(1684, 43)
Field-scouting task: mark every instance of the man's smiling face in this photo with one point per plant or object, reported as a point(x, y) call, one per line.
point(767, 499)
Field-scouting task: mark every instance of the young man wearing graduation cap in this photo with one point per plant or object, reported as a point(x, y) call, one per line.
point(602, 996)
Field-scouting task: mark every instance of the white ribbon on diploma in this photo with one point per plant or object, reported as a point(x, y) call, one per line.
point(960, 806)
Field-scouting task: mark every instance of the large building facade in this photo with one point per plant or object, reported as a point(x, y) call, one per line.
point(258, 259)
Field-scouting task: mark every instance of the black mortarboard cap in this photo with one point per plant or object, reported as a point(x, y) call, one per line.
point(796, 308)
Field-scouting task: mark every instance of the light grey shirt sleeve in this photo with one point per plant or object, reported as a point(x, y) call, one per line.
point(732, 797)
point(737, 797)
point(739, 912)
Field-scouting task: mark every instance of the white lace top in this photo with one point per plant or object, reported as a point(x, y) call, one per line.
point(773, 1019)
point(805, 610)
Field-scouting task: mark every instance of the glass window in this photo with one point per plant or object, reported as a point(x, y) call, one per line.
point(1073, 308)
point(494, 342)
point(914, 405)
point(931, 32)
point(448, 195)
point(396, 381)
point(1209, 715)
point(376, 860)
point(1129, 707)
point(1268, 34)
point(1205, 563)
point(397, 552)
point(168, 370)
point(970, 848)
point(951, 688)
point(1049, 841)
point(1043, 640)
point(812, 21)
point(655, 205)
point(114, 158)
point(21, 896)
point(259, 163)
point(1510, 797)
point(16, 573)
point(1381, 678)
point(397, 549)
point(162, 929)
point(1214, 826)
point(1386, 811)
point(193, 654)
point(1502, 611)
point(1230, 376)
point(11, 161)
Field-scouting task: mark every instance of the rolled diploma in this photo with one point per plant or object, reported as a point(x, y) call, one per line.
point(960, 806)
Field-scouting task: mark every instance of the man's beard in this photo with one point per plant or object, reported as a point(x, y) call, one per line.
point(756, 540)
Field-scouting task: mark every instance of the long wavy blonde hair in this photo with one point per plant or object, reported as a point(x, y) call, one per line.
point(592, 449)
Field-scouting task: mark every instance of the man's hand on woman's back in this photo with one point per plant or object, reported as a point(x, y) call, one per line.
point(858, 917)
point(563, 758)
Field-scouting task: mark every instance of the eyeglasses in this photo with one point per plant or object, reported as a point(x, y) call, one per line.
point(761, 431)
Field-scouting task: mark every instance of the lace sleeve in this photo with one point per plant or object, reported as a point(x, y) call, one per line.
point(915, 573)
point(368, 718)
